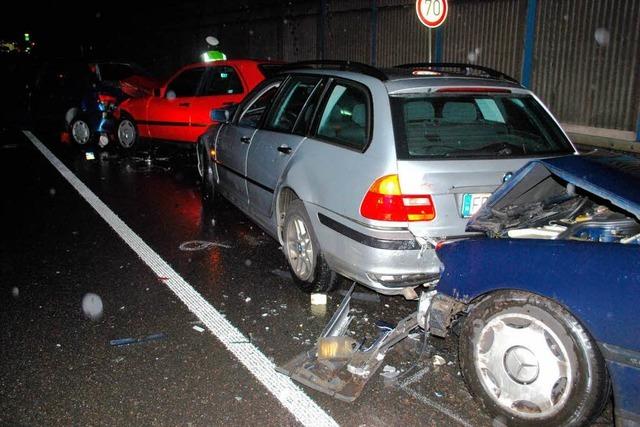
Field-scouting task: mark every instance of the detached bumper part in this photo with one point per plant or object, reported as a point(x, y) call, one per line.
point(337, 365)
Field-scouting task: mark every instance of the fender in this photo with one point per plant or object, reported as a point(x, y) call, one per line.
point(598, 282)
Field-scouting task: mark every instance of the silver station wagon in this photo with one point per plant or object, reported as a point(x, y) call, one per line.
point(359, 171)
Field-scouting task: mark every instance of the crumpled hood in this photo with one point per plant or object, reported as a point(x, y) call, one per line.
point(615, 178)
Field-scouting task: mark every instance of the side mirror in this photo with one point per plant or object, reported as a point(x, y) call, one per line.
point(170, 95)
point(220, 115)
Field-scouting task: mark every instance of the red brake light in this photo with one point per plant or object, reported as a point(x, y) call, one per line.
point(385, 202)
point(106, 98)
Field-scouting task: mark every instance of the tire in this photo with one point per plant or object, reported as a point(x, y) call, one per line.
point(205, 170)
point(308, 268)
point(529, 361)
point(80, 131)
point(127, 133)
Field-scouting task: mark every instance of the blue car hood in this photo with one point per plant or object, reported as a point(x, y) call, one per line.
point(615, 178)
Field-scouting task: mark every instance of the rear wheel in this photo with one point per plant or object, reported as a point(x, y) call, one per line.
point(528, 359)
point(308, 268)
point(80, 131)
point(127, 133)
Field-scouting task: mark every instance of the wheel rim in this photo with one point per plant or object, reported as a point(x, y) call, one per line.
point(523, 365)
point(300, 249)
point(126, 133)
point(80, 132)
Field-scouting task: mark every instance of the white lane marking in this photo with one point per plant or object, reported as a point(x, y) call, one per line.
point(305, 410)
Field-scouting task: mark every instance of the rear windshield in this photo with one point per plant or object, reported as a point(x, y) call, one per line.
point(474, 126)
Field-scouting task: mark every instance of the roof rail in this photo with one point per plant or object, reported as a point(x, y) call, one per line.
point(358, 67)
point(490, 72)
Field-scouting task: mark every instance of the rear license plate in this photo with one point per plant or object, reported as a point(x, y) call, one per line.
point(472, 202)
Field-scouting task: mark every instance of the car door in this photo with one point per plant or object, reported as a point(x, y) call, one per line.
point(233, 141)
point(273, 146)
point(168, 116)
point(222, 86)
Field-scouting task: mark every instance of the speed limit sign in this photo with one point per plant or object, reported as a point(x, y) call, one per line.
point(432, 13)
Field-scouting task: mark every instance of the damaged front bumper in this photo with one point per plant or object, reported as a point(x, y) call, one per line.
point(341, 366)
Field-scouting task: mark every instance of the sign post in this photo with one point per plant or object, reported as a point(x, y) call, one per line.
point(431, 14)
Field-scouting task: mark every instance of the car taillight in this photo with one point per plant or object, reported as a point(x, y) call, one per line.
point(385, 202)
point(106, 99)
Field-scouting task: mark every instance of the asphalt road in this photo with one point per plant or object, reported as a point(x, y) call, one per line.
point(59, 367)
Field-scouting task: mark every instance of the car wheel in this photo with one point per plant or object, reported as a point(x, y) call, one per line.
point(527, 359)
point(127, 133)
point(309, 270)
point(205, 170)
point(80, 132)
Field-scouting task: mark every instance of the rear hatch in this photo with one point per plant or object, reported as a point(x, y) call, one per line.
point(458, 146)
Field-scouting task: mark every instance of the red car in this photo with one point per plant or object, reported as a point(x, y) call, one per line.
point(180, 109)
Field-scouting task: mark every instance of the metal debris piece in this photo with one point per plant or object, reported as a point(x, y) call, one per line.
point(345, 378)
point(363, 296)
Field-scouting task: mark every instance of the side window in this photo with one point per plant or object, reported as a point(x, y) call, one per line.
point(186, 83)
point(254, 111)
point(346, 117)
point(293, 99)
point(222, 81)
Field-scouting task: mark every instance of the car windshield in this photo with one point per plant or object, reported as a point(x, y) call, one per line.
point(474, 126)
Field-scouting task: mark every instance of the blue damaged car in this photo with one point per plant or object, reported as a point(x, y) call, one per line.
point(548, 305)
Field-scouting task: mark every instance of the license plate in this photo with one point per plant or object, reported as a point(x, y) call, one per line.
point(472, 202)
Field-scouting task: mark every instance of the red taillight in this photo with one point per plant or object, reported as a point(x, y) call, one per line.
point(106, 99)
point(385, 202)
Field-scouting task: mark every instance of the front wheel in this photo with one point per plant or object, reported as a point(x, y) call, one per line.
point(127, 133)
point(526, 358)
point(308, 268)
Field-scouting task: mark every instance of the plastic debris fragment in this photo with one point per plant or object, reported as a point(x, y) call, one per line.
point(128, 341)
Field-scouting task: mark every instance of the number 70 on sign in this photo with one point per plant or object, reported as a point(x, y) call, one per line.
point(432, 13)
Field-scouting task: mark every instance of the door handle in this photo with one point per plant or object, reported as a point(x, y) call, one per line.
point(284, 149)
point(183, 104)
point(245, 139)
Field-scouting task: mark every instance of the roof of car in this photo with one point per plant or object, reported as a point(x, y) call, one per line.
point(411, 75)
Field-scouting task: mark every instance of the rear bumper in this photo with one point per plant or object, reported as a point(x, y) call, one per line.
point(386, 261)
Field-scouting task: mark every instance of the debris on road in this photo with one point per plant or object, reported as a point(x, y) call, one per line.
point(438, 360)
point(15, 292)
point(198, 328)
point(389, 372)
point(128, 341)
point(201, 245)
point(318, 299)
point(89, 155)
point(345, 377)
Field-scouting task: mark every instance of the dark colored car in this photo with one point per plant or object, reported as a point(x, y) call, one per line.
point(82, 93)
point(180, 110)
point(551, 298)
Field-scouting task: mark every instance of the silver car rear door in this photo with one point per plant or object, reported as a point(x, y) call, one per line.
point(234, 140)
